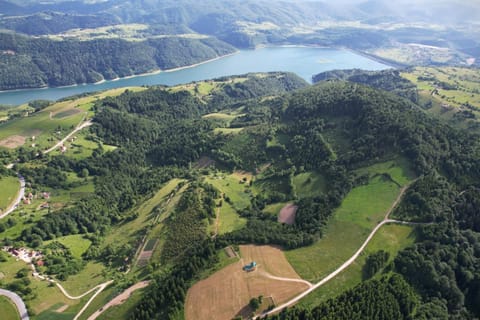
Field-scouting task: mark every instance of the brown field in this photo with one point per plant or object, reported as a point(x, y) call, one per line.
point(12, 142)
point(287, 214)
point(226, 293)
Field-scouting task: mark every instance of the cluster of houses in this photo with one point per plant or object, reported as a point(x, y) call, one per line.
point(28, 255)
point(42, 195)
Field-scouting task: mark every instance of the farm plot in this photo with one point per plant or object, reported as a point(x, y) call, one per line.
point(147, 252)
point(229, 290)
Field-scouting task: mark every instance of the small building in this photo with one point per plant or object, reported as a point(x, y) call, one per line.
point(252, 266)
point(40, 263)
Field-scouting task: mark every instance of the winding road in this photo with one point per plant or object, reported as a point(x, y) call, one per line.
point(22, 309)
point(347, 263)
point(120, 299)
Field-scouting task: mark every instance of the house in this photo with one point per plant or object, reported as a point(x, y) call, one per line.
point(252, 266)
point(40, 263)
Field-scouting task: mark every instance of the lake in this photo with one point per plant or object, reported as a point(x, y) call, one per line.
point(304, 61)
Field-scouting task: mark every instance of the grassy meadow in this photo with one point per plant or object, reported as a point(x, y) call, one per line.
point(10, 188)
point(361, 210)
point(9, 310)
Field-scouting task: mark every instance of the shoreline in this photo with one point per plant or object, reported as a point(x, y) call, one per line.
point(149, 73)
point(393, 64)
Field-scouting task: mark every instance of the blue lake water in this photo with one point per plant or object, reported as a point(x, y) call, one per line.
point(304, 61)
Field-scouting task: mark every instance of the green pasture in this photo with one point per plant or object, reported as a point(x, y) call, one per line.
point(123, 311)
point(232, 187)
point(391, 238)
point(127, 231)
point(76, 243)
point(10, 187)
point(90, 276)
point(229, 219)
point(309, 184)
point(361, 210)
point(8, 309)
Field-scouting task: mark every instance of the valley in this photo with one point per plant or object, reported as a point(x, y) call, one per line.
point(182, 187)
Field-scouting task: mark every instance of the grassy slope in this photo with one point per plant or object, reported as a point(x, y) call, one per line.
point(306, 188)
point(8, 309)
point(466, 81)
point(76, 243)
point(391, 238)
point(232, 187)
point(10, 187)
point(360, 211)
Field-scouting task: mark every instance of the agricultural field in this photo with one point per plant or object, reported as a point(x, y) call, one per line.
point(230, 289)
point(40, 130)
point(417, 54)
point(10, 188)
point(350, 224)
point(9, 310)
point(449, 92)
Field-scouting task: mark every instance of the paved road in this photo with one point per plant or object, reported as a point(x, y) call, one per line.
point(22, 310)
point(17, 200)
point(21, 193)
point(346, 264)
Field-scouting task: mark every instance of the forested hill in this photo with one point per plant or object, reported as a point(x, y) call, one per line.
point(28, 62)
point(277, 127)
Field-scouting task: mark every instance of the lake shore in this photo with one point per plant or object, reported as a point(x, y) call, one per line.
point(149, 73)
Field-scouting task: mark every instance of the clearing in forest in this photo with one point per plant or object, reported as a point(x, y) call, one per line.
point(287, 214)
point(229, 290)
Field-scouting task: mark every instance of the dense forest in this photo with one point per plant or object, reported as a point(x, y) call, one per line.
point(161, 132)
point(28, 62)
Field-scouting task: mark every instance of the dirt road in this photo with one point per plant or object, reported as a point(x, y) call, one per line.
point(61, 142)
point(347, 263)
point(120, 299)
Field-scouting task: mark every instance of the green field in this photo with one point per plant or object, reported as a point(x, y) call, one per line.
point(123, 311)
point(90, 276)
point(52, 123)
point(126, 232)
point(447, 91)
point(8, 309)
point(391, 238)
point(233, 188)
point(360, 211)
point(229, 219)
point(76, 243)
point(309, 184)
point(10, 187)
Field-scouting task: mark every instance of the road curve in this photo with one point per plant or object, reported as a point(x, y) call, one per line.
point(100, 287)
point(119, 299)
point(17, 200)
point(270, 276)
point(22, 309)
point(346, 264)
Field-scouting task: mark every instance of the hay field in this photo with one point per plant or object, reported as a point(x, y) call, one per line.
point(226, 294)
